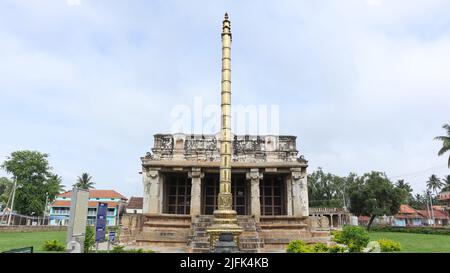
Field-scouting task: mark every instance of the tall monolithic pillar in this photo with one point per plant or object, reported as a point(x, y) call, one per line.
point(152, 181)
point(225, 219)
point(300, 204)
point(254, 176)
point(196, 181)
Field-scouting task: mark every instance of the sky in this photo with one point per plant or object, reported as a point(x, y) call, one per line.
point(363, 84)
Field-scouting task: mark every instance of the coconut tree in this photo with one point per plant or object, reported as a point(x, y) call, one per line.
point(406, 188)
point(84, 182)
point(434, 184)
point(445, 142)
point(446, 180)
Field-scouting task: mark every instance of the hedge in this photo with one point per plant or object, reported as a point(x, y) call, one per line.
point(419, 230)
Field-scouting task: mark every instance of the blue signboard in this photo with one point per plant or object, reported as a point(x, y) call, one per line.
point(100, 222)
point(112, 236)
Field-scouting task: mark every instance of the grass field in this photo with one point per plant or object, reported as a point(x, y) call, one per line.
point(10, 240)
point(421, 243)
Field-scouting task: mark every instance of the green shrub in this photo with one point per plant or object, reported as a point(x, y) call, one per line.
point(418, 230)
point(298, 246)
point(338, 249)
point(89, 239)
point(121, 249)
point(355, 237)
point(389, 245)
point(320, 248)
point(54, 245)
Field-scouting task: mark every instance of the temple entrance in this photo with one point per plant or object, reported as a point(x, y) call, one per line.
point(177, 193)
point(273, 195)
point(239, 189)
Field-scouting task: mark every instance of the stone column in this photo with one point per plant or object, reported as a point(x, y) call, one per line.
point(151, 181)
point(196, 181)
point(299, 192)
point(255, 205)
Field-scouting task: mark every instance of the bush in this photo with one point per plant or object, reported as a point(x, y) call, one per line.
point(320, 248)
point(355, 237)
point(338, 249)
point(298, 246)
point(89, 239)
point(419, 230)
point(121, 249)
point(54, 245)
point(389, 245)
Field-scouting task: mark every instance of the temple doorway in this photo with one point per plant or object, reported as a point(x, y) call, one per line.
point(239, 188)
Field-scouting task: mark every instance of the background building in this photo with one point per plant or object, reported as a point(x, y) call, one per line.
point(134, 205)
point(60, 208)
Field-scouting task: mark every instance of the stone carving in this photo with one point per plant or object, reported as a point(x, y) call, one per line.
point(324, 222)
point(246, 148)
point(152, 173)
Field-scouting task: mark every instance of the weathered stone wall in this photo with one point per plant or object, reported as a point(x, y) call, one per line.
point(31, 228)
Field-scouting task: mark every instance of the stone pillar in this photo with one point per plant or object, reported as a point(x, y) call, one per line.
point(300, 204)
point(152, 182)
point(196, 181)
point(255, 205)
point(289, 210)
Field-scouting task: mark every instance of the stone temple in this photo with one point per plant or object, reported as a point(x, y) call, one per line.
point(183, 183)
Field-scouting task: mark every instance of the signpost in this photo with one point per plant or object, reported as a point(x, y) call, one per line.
point(100, 223)
point(111, 238)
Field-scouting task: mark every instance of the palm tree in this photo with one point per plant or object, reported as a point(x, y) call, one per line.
point(434, 183)
point(84, 182)
point(55, 184)
point(445, 142)
point(401, 184)
point(446, 180)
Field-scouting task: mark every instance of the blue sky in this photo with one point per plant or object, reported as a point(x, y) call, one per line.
point(365, 85)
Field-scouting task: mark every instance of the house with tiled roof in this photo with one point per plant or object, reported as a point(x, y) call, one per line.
point(441, 217)
point(135, 205)
point(407, 216)
point(60, 208)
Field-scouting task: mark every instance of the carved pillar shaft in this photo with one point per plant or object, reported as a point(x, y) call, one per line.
point(152, 181)
point(254, 176)
point(196, 180)
point(299, 192)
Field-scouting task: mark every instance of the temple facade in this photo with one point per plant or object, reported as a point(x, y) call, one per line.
point(181, 176)
point(199, 186)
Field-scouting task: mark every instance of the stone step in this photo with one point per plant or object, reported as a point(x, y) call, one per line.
point(200, 244)
point(200, 250)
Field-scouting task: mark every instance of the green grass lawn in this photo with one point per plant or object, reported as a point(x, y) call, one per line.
point(10, 240)
point(421, 243)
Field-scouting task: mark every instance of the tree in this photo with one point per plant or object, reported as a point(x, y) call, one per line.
point(407, 190)
point(35, 184)
point(446, 181)
point(418, 201)
point(434, 183)
point(445, 142)
point(6, 186)
point(84, 182)
point(55, 185)
point(375, 195)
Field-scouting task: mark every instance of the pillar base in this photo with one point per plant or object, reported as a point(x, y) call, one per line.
point(225, 221)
